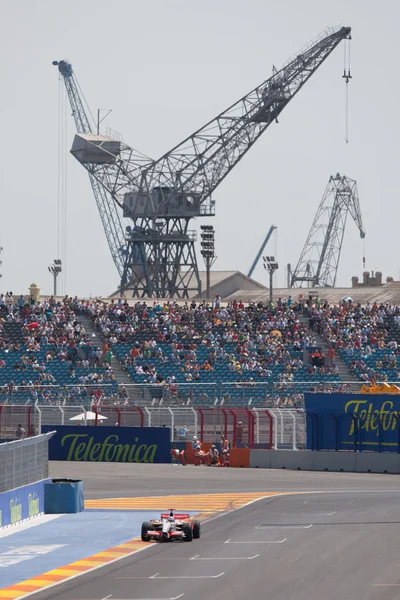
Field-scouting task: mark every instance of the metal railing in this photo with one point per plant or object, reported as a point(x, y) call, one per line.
point(273, 428)
point(268, 394)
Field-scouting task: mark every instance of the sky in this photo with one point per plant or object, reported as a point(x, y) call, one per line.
point(165, 68)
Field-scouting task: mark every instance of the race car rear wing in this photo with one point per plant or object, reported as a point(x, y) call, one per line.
point(177, 516)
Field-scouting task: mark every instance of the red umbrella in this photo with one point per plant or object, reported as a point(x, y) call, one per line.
point(33, 325)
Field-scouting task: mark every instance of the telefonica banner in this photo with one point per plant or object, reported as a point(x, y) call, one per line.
point(22, 503)
point(353, 422)
point(109, 444)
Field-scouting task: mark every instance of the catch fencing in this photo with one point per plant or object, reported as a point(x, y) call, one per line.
point(271, 428)
point(24, 461)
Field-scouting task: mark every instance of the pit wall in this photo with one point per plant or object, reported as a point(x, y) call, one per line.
point(22, 503)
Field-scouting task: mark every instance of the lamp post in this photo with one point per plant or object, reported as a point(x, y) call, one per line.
point(55, 270)
point(208, 252)
point(271, 266)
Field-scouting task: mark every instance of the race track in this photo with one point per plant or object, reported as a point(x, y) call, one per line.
point(340, 543)
point(118, 480)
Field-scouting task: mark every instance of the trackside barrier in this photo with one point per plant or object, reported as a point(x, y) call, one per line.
point(22, 503)
point(110, 444)
point(270, 428)
point(359, 462)
point(24, 461)
point(364, 432)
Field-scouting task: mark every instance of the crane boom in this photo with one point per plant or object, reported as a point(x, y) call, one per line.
point(261, 250)
point(319, 261)
point(162, 196)
point(109, 214)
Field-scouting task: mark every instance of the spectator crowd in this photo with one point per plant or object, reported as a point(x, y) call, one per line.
point(187, 350)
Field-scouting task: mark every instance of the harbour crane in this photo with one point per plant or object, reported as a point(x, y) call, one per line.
point(319, 260)
point(162, 196)
point(261, 250)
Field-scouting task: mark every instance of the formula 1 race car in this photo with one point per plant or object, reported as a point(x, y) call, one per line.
point(171, 527)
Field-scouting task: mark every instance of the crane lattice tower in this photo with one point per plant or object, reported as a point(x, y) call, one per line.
point(155, 255)
point(319, 260)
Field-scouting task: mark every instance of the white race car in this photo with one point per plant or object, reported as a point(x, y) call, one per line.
point(170, 527)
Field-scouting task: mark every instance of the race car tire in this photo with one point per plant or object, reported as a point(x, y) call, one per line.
point(187, 530)
point(146, 527)
point(196, 530)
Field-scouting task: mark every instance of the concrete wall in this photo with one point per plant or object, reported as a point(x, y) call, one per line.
point(307, 460)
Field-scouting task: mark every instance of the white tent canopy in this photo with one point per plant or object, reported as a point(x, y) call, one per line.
point(88, 416)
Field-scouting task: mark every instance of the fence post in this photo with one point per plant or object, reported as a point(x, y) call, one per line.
point(251, 427)
point(234, 427)
point(172, 424)
point(195, 420)
point(294, 442)
point(201, 423)
point(274, 430)
point(224, 412)
point(148, 416)
point(282, 424)
point(257, 417)
point(141, 413)
point(39, 419)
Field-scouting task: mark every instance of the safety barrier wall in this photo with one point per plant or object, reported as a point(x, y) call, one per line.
point(110, 444)
point(359, 462)
point(22, 503)
point(358, 422)
point(24, 461)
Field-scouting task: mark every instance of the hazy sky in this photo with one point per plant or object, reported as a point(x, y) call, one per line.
point(166, 67)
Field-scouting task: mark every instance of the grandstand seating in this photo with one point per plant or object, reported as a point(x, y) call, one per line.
point(254, 350)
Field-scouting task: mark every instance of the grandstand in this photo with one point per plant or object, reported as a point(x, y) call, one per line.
point(71, 351)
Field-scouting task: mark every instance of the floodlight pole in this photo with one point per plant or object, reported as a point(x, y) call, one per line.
point(208, 253)
point(271, 265)
point(55, 270)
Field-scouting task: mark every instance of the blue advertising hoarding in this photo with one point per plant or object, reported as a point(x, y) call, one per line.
point(22, 503)
point(353, 422)
point(109, 444)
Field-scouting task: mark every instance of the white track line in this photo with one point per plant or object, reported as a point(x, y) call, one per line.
point(40, 520)
point(283, 526)
point(156, 576)
point(263, 542)
point(198, 557)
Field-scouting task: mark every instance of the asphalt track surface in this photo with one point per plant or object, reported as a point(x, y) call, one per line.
point(118, 480)
point(341, 543)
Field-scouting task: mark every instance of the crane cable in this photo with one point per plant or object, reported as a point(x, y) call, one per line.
point(62, 185)
point(347, 76)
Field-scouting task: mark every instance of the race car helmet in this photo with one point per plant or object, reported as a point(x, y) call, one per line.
point(171, 519)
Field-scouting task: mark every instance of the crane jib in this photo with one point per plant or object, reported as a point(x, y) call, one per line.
point(160, 197)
